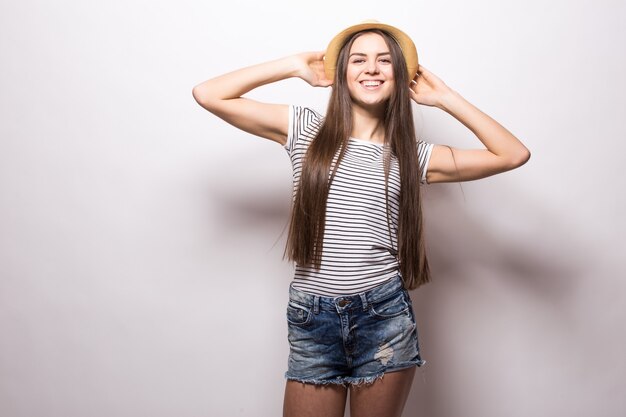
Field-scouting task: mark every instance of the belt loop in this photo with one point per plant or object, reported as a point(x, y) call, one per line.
point(364, 301)
point(316, 304)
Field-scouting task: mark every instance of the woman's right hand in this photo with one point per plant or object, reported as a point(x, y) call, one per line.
point(311, 68)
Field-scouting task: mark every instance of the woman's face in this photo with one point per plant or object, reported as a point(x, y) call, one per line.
point(370, 73)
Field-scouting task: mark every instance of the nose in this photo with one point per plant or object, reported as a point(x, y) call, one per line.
point(372, 67)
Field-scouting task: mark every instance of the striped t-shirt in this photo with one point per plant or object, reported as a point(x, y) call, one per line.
point(358, 253)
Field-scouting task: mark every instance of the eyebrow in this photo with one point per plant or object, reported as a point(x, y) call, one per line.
point(363, 54)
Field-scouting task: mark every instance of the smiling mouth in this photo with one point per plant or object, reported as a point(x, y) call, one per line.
point(370, 84)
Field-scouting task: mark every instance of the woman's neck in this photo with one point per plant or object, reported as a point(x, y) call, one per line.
point(367, 126)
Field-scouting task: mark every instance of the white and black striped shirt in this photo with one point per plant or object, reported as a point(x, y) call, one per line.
point(358, 253)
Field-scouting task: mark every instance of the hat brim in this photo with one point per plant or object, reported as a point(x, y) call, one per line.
point(406, 44)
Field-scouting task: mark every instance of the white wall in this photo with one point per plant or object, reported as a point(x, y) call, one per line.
point(141, 238)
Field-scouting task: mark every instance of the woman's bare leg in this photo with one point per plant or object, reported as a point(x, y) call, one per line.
point(308, 400)
point(384, 398)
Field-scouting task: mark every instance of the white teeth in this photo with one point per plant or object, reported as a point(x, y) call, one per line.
point(371, 83)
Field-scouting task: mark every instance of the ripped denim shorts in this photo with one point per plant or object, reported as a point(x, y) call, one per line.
point(351, 339)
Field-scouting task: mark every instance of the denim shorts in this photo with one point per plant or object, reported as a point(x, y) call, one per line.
point(351, 339)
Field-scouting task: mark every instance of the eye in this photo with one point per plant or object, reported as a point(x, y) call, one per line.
point(358, 60)
point(385, 60)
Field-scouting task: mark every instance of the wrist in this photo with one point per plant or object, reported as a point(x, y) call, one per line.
point(449, 99)
point(287, 66)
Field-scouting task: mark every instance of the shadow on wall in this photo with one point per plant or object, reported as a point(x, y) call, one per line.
point(542, 257)
point(254, 203)
point(499, 305)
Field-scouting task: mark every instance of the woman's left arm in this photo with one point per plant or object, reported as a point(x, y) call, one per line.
point(503, 151)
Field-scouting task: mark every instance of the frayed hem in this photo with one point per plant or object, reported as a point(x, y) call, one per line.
point(365, 381)
point(343, 381)
point(348, 381)
point(312, 381)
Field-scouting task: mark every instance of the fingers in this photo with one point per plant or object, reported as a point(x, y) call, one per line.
point(313, 56)
point(422, 69)
point(413, 95)
point(319, 55)
point(429, 76)
point(421, 72)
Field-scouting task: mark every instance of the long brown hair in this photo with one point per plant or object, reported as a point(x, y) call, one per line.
point(306, 229)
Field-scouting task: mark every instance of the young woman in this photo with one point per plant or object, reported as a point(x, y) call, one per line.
point(355, 234)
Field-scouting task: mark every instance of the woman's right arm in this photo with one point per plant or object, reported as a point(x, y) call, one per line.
point(223, 95)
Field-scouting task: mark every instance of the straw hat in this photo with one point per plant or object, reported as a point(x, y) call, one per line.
point(405, 42)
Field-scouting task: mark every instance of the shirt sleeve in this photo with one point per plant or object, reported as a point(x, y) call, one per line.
point(304, 123)
point(424, 149)
point(294, 111)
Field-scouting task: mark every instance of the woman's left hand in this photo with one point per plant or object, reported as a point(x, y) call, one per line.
point(427, 89)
